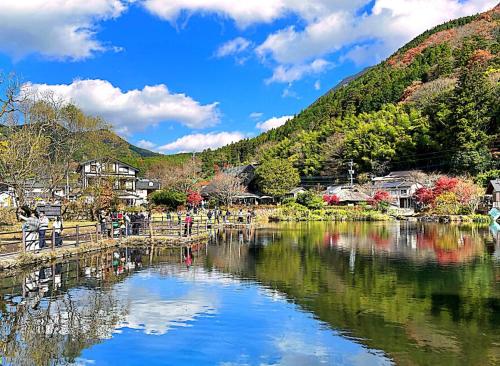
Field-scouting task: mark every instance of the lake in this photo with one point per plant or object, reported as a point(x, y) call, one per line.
point(287, 294)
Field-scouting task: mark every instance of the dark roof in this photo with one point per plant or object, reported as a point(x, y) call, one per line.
point(352, 195)
point(394, 184)
point(401, 173)
point(108, 159)
point(246, 172)
point(147, 184)
point(493, 186)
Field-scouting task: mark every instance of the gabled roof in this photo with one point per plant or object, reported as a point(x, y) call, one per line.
point(147, 184)
point(493, 186)
point(352, 195)
point(107, 159)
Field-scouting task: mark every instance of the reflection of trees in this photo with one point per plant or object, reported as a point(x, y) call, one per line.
point(44, 325)
point(420, 313)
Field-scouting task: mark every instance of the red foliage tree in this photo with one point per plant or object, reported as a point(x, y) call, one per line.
point(381, 196)
point(425, 196)
point(331, 199)
point(444, 184)
point(194, 198)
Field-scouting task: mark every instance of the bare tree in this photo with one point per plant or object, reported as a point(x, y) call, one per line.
point(225, 187)
point(178, 177)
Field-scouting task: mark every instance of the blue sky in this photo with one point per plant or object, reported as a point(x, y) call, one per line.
point(184, 75)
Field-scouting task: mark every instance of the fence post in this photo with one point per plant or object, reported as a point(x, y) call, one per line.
point(53, 238)
point(77, 235)
point(97, 233)
point(198, 228)
point(24, 242)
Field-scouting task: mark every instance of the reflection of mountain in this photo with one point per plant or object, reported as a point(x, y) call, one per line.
point(394, 294)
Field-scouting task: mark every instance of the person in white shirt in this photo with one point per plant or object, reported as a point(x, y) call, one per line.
point(57, 226)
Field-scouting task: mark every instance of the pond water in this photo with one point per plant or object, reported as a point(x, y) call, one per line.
point(287, 294)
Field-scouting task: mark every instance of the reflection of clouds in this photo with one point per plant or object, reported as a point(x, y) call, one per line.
point(158, 316)
point(199, 275)
point(149, 311)
point(296, 350)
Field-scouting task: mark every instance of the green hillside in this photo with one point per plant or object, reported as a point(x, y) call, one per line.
point(433, 105)
point(105, 143)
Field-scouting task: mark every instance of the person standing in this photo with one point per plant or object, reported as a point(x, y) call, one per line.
point(44, 226)
point(57, 226)
point(188, 223)
point(240, 216)
point(128, 223)
point(179, 217)
point(30, 230)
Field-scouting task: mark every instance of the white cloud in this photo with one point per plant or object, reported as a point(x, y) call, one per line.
point(274, 122)
point(199, 141)
point(233, 47)
point(245, 13)
point(317, 85)
point(390, 24)
point(256, 115)
point(289, 74)
point(145, 144)
point(56, 29)
point(134, 110)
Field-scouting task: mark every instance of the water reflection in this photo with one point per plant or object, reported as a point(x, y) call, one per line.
point(427, 294)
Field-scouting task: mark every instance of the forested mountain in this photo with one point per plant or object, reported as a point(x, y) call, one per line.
point(433, 105)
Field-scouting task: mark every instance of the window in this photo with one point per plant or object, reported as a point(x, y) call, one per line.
point(123, 169)
point(93, 168)
point(404, 191)
point(129, 185)
point(150, 184)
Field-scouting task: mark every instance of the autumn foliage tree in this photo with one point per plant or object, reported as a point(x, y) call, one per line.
point(331, 199)
point(381, 200)
point(194, 198)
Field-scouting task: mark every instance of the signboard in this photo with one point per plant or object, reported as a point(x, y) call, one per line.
point(51, 211)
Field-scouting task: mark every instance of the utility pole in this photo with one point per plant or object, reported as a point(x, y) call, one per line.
point(351, 172)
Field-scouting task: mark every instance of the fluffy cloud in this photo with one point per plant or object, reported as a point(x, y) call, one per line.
point(199, 141)
point(145, 144)
point(273, 123)
point(289, 74)
point(233, 47)
point(245, 13)
point(389, 25)
point(56, 28)
point(255, 115)
point(136, 109)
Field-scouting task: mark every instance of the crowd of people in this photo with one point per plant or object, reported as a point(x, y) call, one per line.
point(117, 223)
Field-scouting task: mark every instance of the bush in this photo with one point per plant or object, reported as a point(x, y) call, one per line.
point(169, 199)
point(310, 200)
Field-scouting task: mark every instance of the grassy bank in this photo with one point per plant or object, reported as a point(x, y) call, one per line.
point(296, 212)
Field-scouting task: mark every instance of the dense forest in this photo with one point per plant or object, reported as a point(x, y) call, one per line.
point(433, 105)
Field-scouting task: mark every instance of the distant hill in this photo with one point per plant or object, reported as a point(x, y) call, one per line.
point(417, 109)
point(106, 143)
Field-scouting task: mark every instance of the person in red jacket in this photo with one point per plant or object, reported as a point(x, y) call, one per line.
point(188, 224)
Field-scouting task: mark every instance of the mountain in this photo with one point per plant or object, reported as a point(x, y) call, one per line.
point(433, 105)
point(106, 143)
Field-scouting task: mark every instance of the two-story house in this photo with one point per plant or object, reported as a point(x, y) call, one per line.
point(400, 185)
point(123, 177)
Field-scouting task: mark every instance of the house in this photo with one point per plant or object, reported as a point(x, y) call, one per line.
point(246, 173)
point(402, 192)
point(295, 192)
point(401, 185)
point(493, 193)
point(122, 175)
point(144, 187)
point(347, 195)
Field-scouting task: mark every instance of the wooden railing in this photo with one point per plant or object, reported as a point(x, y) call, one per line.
point(15, 242)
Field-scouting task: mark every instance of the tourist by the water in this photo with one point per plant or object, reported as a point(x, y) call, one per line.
point(249, 217)
point(188, 224)
point(57, 226)
point(209, 216)
point(128, 221)
point(227, 218)
point(217, 215)
point(30, 230)
point(179, 217)
point(240, 216)
point(169, 218)
point(42, 229)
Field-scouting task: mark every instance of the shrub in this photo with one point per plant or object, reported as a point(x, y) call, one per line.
point(310, 200)
point(170, 199)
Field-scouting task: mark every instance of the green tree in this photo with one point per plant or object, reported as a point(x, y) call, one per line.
point(470, 123)
point(277, 177)
point(170, 199)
